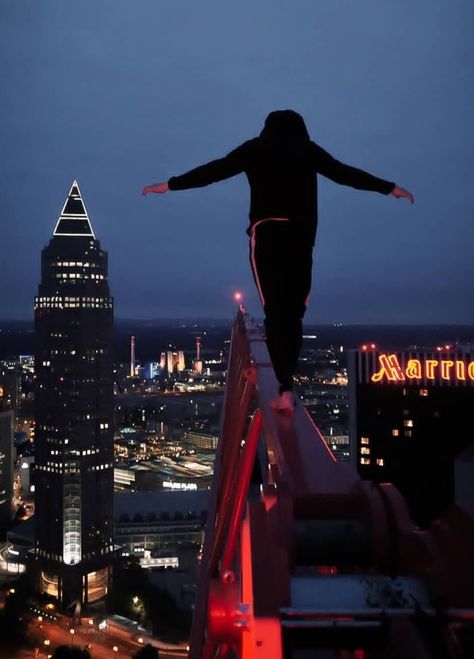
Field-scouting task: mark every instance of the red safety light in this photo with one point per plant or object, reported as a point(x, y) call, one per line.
point(238, 297)
point(364, 347)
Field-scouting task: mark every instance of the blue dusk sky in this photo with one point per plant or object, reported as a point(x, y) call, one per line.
point(119, 94)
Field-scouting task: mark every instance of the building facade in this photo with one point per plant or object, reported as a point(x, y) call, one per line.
point(410, 420)
point(74, 413)
point(156, 526)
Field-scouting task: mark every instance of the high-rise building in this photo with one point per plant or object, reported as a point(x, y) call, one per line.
point(74, 413)
point(6, 465)
point(10, 385)
point(410, 419)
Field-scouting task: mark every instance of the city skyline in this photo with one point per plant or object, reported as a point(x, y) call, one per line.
point(117, 98)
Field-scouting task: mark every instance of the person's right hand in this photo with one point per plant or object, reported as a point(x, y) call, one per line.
point(158, 188)
point(400, 193)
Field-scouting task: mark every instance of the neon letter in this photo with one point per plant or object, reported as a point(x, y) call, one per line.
point(430, 367)
point(470, 371)
point(389, 367)
point(460, 370)
point(446, 366)
point(413, 369)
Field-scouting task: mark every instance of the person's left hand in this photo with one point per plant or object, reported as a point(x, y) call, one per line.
point(159, 188)
point(401, 193)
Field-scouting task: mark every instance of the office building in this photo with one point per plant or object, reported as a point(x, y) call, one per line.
point(74, 413)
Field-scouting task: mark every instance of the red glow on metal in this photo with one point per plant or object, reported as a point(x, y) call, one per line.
point(326, 569)
point(239, 495)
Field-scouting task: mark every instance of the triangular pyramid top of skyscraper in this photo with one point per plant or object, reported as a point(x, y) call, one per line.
point(74, 220)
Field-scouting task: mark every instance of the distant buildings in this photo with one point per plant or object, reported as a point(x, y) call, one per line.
point(175, 361)
point(156, 526)
point(202, 440)
point(411, 415)
point(74, 413)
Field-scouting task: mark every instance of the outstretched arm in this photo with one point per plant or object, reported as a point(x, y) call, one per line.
point(344, 174)
point(216, 170)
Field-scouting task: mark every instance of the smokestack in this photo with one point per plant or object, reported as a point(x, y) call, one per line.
point(198, 348)
point(132, 356)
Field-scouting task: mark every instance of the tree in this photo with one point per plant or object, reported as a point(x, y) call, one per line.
point(147, 652)
point(67, 652)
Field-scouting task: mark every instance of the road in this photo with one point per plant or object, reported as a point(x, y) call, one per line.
point(102, 643)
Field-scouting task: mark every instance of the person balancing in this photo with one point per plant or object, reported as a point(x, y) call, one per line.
point(281, 166)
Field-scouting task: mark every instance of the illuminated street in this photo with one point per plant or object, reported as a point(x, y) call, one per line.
point(101, 643)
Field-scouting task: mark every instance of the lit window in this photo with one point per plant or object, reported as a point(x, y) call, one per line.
point(364, 440)
point(379, 462)
point(365, 450)
point(423, 392)
point(395, 432)
point(408, 423)
point(365, 461)
point(407, 433)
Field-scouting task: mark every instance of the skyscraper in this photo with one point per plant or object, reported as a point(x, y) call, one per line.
point(74, 413)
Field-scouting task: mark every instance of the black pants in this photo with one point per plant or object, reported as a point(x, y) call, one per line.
point(281, 258)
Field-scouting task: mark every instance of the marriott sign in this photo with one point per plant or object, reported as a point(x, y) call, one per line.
point(416, 368)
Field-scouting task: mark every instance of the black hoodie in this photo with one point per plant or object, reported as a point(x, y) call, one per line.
point(282, 178)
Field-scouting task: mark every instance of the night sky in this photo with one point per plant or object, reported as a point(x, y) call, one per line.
point(120, 94)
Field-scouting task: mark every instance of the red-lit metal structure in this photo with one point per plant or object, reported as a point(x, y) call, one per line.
point(303, 559)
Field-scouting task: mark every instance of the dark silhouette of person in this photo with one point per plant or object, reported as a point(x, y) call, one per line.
point(281, 166)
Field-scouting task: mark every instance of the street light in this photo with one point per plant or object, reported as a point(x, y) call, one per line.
point(115, 649)
point(135, 599)
point(72, 632)
point(140, 640)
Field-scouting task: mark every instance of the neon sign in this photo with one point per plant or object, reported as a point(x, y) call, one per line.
point(448, 370)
